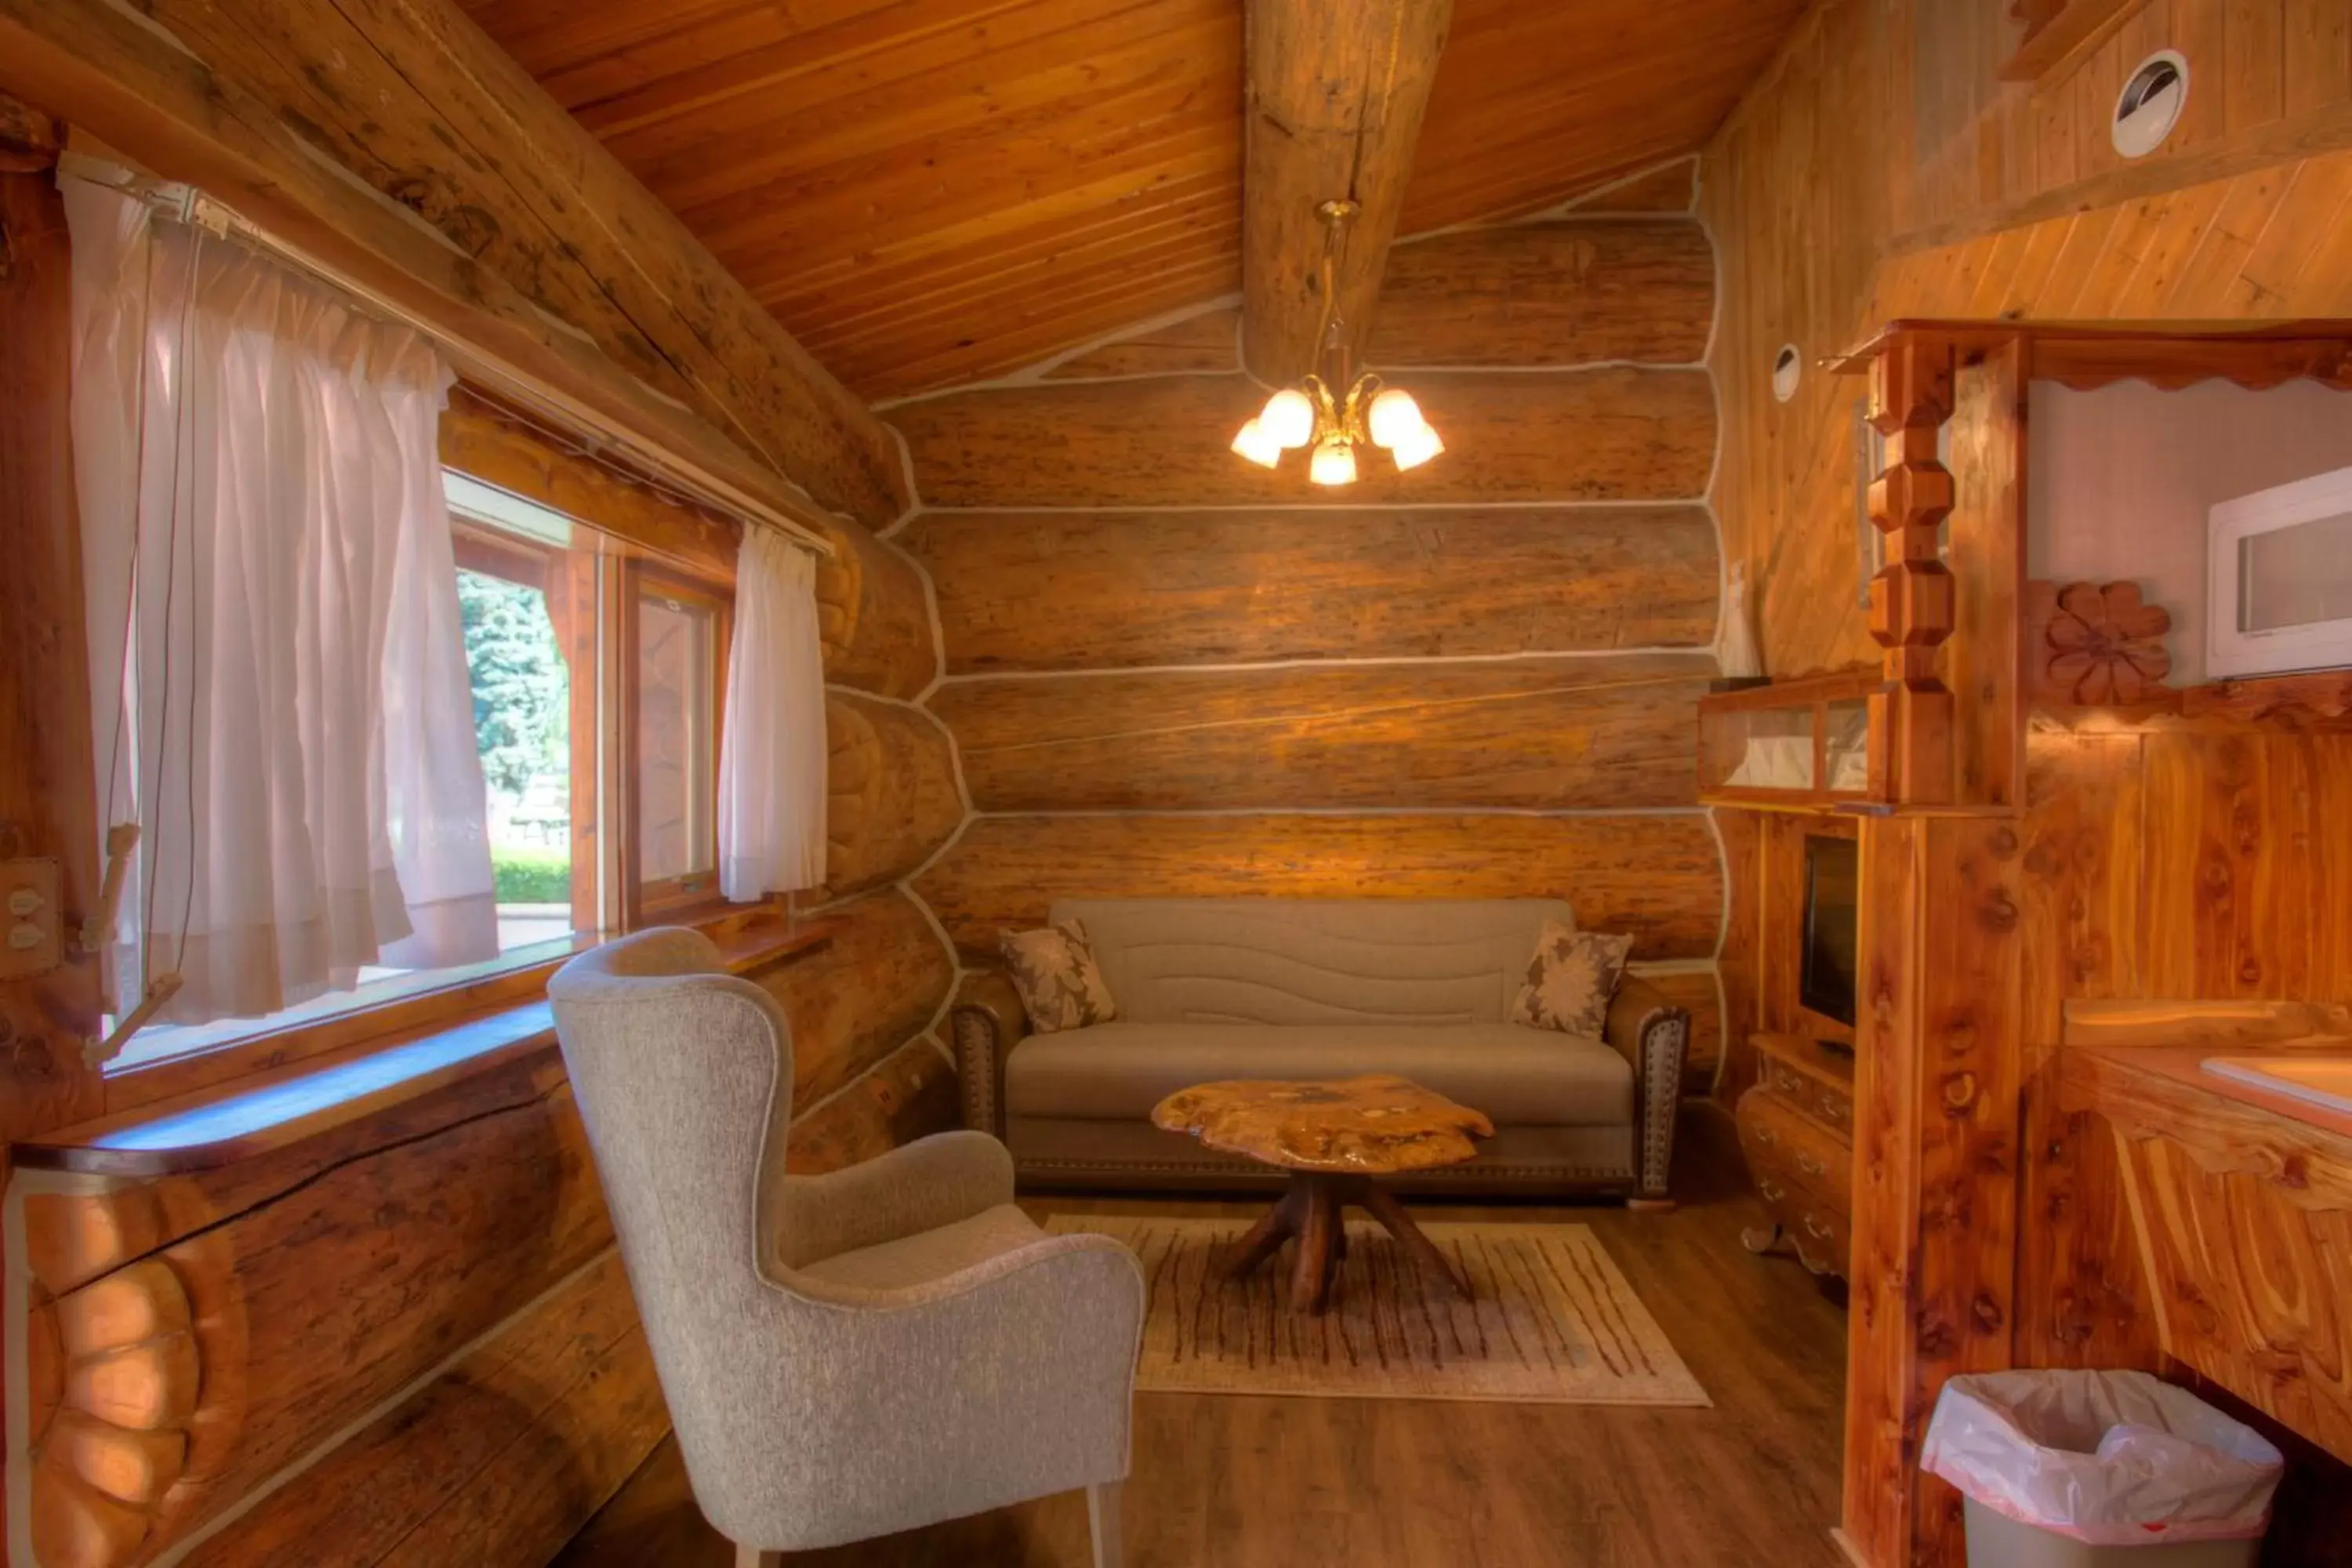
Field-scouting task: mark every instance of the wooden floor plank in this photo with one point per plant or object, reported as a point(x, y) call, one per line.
point(1275, 1482)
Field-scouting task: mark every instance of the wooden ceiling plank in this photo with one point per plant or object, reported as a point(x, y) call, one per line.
point(905, 267)
point(681, 72)
point(548, 38)
point(916, 205)
point(1031, 317)
point(1116, 254)
point(1024, 333)
point(1490, 195)
point(1335, 100)
point(969, 71)
point(1001, 354)
point(1118, 101)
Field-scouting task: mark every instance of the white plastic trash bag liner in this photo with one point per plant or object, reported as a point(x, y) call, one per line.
point(2113, 1458)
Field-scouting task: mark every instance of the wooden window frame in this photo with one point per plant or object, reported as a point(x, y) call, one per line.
point(605, 573)
point(670, 900)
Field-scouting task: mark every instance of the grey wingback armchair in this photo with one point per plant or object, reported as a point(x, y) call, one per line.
point(844, 1355)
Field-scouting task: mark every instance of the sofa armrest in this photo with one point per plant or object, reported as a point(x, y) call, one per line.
point(1653, 1035)
point(987, 1022)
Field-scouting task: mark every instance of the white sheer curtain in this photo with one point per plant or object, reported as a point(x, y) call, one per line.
point(279, 670)
point(772, 747)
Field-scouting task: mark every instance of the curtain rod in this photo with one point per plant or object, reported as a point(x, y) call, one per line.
point(565, 419)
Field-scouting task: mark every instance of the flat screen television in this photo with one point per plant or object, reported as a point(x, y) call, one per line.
point(1832, 895)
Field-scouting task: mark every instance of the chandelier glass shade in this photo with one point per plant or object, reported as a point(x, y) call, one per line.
point(1332, 428)
point(1333, 425)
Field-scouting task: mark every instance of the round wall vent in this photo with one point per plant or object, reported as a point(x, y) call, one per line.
point(1787, 369)
point(2150, 103)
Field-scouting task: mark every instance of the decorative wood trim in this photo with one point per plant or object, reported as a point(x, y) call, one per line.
point(2087, 355)
point(2092, 644)
point(1335, 100)
point(1912, 599)
point(2289, 701)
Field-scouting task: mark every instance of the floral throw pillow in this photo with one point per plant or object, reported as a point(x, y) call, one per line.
point(1061, 986)
point(1571, 979)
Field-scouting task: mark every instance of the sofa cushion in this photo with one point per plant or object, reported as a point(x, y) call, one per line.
point(1515, 1075)
point(1571, 979)
point(1314, 961)
point(1054, 969)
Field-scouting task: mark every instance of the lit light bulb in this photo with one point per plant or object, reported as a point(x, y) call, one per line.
point(1288, 418)
point(1334, 463)
point(1395, 418)
point(1255, 445)
point(1415, 448)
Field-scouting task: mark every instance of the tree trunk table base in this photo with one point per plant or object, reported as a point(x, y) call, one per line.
point(1310, 1210)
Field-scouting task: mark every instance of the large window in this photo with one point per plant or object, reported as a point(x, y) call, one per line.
point(598, 678)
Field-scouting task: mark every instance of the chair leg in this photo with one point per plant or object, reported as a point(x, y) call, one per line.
point(752, 1557)
point(1102, 1518)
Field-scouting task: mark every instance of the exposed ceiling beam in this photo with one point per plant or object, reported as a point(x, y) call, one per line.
point(1335, 100)
point(309, 108)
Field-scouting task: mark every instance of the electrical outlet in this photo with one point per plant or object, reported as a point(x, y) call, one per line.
point(32, 930)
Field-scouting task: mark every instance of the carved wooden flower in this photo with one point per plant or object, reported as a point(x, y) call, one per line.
point(2106, 646)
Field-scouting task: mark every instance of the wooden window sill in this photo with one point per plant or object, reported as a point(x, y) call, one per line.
point(289, 1104)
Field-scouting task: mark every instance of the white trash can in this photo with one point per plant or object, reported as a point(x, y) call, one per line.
point(2100, 1469)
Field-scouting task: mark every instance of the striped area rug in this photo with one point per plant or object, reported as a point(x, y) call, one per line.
point(1553, 1321)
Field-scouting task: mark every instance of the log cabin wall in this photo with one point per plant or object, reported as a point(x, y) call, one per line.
point(406, 1338)
point(1883, 169)
point(1168, 672)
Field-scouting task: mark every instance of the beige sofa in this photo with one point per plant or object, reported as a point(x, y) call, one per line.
point(1218, 988)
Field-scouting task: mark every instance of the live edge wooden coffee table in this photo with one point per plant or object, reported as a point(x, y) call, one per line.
point(1336, 1140)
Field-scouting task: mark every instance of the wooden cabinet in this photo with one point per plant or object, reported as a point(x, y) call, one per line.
point(1796, 1126)
point(1791, 744)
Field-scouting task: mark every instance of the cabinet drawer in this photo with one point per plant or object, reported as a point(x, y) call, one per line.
point(1800, 1150)
point(1821, 1235)
point(1810, 1094)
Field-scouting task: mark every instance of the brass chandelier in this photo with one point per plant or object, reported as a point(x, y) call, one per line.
point(1333, 425)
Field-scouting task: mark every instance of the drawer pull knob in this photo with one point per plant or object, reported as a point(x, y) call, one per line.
point(1809, 1165)
point(1817, 1228)
point(1770, 1191)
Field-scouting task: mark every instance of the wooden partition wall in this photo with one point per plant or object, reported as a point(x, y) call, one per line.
point(1170, 672)
point(2183, 847)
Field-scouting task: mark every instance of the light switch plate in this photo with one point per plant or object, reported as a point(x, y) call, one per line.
point(32, 942)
